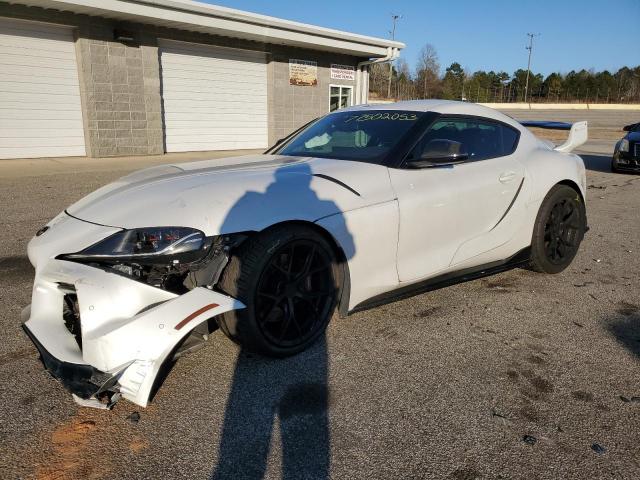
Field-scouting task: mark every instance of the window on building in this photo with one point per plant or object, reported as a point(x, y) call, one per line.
point(340, 97)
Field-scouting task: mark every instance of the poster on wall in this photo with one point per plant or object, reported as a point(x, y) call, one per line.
point(342, 72)
point(303, 72)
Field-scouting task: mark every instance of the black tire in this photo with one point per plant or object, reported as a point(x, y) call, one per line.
point(289, 279)
point(558, 231)
point(614, 168)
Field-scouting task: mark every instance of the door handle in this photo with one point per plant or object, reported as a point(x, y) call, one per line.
point(507, 177)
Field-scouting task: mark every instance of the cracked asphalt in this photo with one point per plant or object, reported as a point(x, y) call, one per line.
point(518, 375)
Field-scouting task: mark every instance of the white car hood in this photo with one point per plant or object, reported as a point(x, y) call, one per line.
point(236, 194)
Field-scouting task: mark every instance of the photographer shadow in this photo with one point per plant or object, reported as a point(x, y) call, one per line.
point(290, 395)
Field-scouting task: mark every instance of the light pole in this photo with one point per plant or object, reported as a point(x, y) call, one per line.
point(530, 48)
point(394, 18)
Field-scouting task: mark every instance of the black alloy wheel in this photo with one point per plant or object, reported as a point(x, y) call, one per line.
point(558, 230)
point(295, 293)
point(562, 231)
point(289, 279)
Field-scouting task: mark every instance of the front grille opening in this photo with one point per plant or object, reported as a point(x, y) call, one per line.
point(71, 316)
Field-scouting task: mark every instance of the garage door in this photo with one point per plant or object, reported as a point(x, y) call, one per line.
point(40, 112)
point(214, 98)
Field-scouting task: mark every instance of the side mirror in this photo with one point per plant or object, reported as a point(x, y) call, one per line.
point(439, 153)
point(443, 160)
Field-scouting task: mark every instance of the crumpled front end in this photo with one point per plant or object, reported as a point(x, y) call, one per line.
point(101, 331)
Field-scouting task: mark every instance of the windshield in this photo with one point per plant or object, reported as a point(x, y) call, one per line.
point(366, 136)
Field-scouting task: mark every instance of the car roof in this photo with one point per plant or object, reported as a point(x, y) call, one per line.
point(442, 107)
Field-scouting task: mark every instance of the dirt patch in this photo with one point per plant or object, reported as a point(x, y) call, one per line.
point(15, 268)
point(582, 396)
point(387, 333)
point(513, 375)
point(542, 385)
point(17, 355)
point(529, 413)
point(137, 445)
point(427, 312)
point(465, 473)
point(536, 360)
point(627, 309)
point(71, 457)
point(503, 285)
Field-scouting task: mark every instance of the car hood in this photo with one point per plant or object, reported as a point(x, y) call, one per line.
point(235, 194)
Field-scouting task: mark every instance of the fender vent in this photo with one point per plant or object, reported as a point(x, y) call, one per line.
point(337, 182)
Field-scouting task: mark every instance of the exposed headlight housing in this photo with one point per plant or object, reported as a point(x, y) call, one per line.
point(624, 145)
point(151, 245)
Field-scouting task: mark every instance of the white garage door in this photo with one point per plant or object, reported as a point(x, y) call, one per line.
point(214, 98)
point(40, 112)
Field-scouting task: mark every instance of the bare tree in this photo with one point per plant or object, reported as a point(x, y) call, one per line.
point(428, 70)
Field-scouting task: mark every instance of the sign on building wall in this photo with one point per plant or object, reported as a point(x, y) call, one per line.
point(342, 72)
point(303, 72)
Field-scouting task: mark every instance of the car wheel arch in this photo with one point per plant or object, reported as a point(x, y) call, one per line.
point(574, 186)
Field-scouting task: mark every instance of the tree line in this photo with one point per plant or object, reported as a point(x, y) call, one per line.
point(426, 81)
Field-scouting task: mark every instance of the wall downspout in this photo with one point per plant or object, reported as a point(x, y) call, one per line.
point(362, 76)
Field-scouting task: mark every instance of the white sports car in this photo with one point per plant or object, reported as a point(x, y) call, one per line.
point(357, 208)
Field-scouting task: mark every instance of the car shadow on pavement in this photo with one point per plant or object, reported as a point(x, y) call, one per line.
point(625, 327)
point(597, 163)
point(289, 396)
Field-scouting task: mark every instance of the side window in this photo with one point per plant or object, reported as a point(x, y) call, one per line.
point(477, 138)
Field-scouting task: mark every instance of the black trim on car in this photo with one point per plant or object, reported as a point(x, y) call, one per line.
point(83, 380)
point(336, 181)
point(520, 259)
point(513, 200)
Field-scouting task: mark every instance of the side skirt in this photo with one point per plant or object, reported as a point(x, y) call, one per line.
point(518, 260)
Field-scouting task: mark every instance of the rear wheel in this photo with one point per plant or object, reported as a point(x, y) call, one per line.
point(288, 278)
point(558, 231)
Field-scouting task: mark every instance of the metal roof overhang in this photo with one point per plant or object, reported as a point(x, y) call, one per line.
point(216, 20)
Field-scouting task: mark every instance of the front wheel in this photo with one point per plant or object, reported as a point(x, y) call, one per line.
point(288, 278)
point(614, 165)
point(558, 231)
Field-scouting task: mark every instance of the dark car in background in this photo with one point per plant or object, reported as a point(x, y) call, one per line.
point(626, 154)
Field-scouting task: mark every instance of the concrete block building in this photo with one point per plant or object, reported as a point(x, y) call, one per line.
point(142, 77)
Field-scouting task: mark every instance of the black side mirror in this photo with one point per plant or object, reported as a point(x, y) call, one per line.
point(439, 152)
point(443, 160)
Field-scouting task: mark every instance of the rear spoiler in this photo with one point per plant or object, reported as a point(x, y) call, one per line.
point(578, 132)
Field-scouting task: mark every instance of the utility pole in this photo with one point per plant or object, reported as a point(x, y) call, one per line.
point(530, 48)
point(394, 19)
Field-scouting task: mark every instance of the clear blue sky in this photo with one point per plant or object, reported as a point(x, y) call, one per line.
point(484, 34)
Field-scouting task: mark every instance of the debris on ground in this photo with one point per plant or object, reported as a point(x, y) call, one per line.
point(599, 449)
point(134, 417)
point(529, 439)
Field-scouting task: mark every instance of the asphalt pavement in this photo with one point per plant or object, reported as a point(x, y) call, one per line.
point(518, 375)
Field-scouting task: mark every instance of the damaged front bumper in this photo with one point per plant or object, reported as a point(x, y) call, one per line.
point(81, 380)
point(126, 330)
